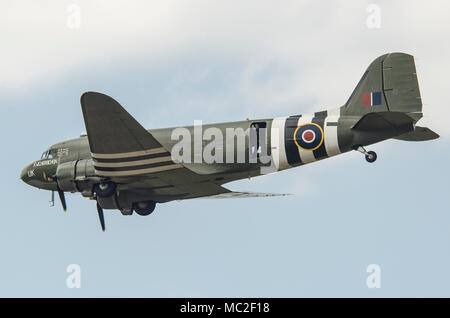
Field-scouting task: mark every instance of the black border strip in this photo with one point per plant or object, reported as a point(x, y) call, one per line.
point(319, 119)
point(292, 154)
point(275, 306)
point(130, 159)
point(153, 165)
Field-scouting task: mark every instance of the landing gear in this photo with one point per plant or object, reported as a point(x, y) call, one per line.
point(371, 156)
point(144, 208)
point(105, 189)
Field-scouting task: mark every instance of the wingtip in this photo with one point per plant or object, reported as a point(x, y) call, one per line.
point(82, 97)
point(436, 135)
point(85, 94)
point(95, 96)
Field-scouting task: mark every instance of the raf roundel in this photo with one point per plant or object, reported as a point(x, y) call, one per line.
point(308, 136)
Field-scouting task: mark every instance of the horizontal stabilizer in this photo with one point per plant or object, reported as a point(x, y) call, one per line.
point(238, 195)
point(398, 121)
point(419, 134)
point(375, 127)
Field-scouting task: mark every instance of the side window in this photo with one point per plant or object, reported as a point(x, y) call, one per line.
point(53, 153)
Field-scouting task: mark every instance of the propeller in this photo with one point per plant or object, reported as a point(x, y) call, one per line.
point(62, 198)
point(101, 216)
point(63, 203)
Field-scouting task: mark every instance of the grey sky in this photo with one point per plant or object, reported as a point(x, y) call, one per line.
point(172, 63)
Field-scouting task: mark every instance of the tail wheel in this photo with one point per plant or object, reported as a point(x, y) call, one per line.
point(105, 189)
point(144, 208)
point(371, 156)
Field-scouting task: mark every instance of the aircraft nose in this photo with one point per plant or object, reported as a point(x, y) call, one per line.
point(24, 174)
point(37, 176)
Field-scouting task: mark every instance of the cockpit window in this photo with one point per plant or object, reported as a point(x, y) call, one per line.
point(50, 154)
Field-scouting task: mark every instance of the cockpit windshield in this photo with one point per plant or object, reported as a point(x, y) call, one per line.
point(50, 153)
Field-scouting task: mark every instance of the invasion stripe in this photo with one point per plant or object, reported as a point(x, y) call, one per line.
point(277, 143)
point(131, 159)
point(331, 132)
point(293, 157)
point(127, 168)
point(306, 156)
point(138, 172)
point(132, 163)
point(128, 154)
point(319, 119)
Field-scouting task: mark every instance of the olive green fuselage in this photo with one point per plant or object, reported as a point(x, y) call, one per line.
point(283, 150)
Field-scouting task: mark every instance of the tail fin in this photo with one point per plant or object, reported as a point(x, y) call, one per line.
point(389, 84)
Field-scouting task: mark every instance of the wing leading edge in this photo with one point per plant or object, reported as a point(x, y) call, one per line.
point(238, 195)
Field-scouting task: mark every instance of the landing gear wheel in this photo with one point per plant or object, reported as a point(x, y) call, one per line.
point(144, 208)
point(105, 189)
point(371, 156)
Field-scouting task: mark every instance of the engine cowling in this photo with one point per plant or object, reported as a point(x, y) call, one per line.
point(77, 176)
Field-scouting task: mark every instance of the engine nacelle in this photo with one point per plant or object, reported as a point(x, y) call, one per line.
point(77, 176)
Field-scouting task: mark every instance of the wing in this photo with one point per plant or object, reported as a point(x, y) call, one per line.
point(127, 153)
point(119, 145)
point(238, 195)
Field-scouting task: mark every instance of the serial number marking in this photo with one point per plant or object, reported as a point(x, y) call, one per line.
point(62, 152)
point(247, 307)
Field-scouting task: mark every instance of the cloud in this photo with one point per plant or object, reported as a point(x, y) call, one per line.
point(293, 56)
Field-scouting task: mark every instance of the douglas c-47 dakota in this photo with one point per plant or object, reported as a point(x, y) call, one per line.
point(126, 167)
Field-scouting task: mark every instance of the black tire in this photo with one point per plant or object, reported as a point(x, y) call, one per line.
point(105, 189)
point(371, 156)
point(144, 208)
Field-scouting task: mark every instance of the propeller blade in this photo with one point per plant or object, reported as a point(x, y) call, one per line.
point(101, 216)
point(62, 198)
